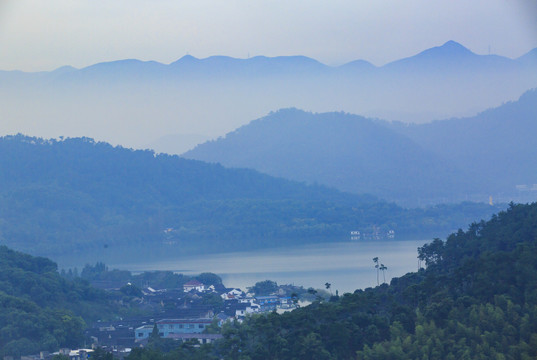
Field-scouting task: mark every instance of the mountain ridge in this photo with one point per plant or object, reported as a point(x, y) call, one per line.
point(93, 201)
point(492, 144)
point(214, 95)
point(448, 49)
point(277, 142)
point(402, 163)
point(449, 56)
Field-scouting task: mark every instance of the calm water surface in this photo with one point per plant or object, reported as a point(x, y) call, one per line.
point(347, 266)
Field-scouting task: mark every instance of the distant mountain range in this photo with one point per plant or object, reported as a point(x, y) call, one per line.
point(134, 102)
point(78, 200)
point(450, 57)
point(450, 160)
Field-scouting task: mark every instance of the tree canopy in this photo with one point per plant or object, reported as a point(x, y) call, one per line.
point(81, 200)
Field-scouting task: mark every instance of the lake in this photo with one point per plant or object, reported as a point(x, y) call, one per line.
point(347, 266)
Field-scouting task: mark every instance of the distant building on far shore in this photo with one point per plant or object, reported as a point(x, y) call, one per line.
point(194, 285)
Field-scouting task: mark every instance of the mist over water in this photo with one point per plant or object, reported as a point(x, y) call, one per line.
point(347, 266)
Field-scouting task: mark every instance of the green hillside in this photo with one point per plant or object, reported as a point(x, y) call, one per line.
point(39, 310)
point(77, 198)
point(476, 299)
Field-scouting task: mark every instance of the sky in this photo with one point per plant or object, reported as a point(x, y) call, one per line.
point(38, 35)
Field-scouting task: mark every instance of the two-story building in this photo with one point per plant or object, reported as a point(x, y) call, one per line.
point(167, 327)
point(267, 303)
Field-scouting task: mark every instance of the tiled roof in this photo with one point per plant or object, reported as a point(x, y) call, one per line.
point(195, 336)
point(193, 283)
point(184, 321)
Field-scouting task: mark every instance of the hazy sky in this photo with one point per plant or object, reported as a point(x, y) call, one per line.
point(46, 34)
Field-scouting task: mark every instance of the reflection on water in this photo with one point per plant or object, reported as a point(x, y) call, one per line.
point(347, 266)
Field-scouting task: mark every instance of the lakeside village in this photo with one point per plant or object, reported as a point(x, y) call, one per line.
point(194, 312)
point(190, 310)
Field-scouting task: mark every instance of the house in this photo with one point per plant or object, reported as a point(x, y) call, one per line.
point(201, 338)
point(222, 317)
point(232, 293)
point(143, 332)
point(190, 312)
point(286, 302)
point(79, 354)
point(168, 327)
point(267, 303)
point(112, 334)
point(239, 310)
point(194, 285)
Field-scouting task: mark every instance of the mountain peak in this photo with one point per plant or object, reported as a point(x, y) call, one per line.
point(64, 69)
point(453, 44)
point(449, 54)
point(187, 59)
point(449, 48)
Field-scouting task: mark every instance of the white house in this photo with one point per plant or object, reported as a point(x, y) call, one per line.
point(193, 285)
point(232, 294)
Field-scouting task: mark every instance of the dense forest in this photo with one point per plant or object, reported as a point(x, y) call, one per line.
point(39, 309)
point(82, 198)
point(475, 298)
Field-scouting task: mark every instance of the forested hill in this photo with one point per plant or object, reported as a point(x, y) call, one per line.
point(128, 178)
point(79, 198)
point(39, 310)
point(471, 158)
point(495, 147)
point(476, 299)
point(348, 152)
